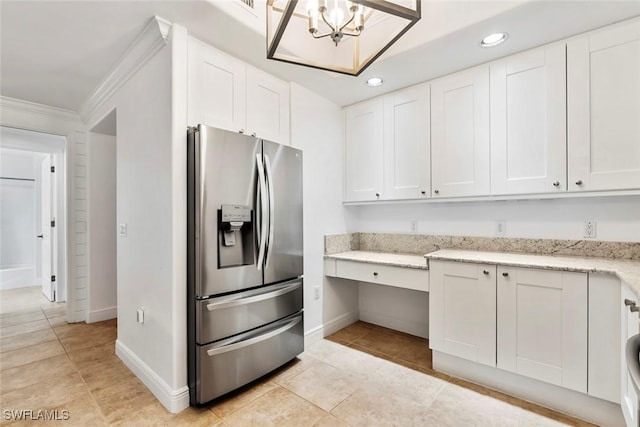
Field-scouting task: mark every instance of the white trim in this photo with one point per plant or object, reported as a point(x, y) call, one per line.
point(102, 314)
point(340, 322)
point(551, 396)
point(313, 336)
point(32, 107)
point(173, 400)
point(150, 40)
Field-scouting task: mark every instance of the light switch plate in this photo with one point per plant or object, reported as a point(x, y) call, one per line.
point(123, 230)
point(501, 228)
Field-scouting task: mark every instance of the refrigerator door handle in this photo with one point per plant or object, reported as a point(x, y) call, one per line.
point(289, 323)
point(262, 223)
point(271, 208)
point(254, 297)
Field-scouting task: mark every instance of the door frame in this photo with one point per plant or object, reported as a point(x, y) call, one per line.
point(56, 145)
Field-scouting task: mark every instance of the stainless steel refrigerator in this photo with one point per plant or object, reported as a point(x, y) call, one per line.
point(245, 259)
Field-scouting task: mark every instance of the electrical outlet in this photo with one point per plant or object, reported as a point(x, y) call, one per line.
point(316, 293)
point(413, 226)
point(501, 228)
point(123, 230)
point(140, 315)
point(590, 229)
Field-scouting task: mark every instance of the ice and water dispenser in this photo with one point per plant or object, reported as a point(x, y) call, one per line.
point(235, 236)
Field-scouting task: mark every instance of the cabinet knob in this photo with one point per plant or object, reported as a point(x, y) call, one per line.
point(241, 131)
point(436, 191)
point(423, 192)
point(485, 271)
point(556, 183)
point(253, 134)
point(378, 195)
point(505, 274)
point(375, 273)
point(579, 182)
point(629, 302)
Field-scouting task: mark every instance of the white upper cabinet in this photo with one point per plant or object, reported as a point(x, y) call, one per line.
point(407, 172)
point(542, 325)
point(460, 134)
point(217, 88)
point(603, 79)
point(267, 106)
point(364, 178)
point(528, 122)
point(462, 310)
point(228, 94)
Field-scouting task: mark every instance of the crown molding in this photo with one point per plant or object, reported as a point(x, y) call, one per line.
point(150, 40)
point(32, 107)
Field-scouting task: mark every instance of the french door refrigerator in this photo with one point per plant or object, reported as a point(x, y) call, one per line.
point(245, 259)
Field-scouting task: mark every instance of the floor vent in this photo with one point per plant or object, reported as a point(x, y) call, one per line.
point(249, 3)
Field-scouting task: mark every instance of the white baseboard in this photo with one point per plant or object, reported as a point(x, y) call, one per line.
point(551, 396)
point(342, 321)
point(313, 336)
point(102, 314)
point(380, 319)
point(173, 400)
point(14, 278)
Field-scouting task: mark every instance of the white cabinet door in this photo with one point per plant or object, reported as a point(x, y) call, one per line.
point(407, 143)
point(364, 178)
point(629, 328)
point(603, 88)
point(460, 134)
point(528, 122)
point(542, 325)
point(462, 310)
point(217, 88)
point(267, 106)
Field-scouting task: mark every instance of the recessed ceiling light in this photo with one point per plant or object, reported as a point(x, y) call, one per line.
point(493, 39)
point(374, 81)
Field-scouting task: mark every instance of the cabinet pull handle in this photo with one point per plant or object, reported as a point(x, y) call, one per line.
point(505, 274)
point(629, 302)
point(375, 273)
point(634, 309)
point(423, 192)
point(485, 271)
point(378, 195)
point(253, 134)
point(436, 191)
point(579, 182)
point(556, 183)
point(241, 131)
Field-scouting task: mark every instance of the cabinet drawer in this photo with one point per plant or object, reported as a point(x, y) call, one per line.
point(400, 277)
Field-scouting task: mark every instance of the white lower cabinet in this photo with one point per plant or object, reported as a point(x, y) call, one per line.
point(462, 310)
point(629, 323)
point(542, 325)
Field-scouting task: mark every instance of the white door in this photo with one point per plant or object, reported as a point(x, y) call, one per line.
point(267, 106)
point(407, 144)
point(217, 88)
point(528, 122)
point(460, 134)
point(47, 232)
point(629, 328)
point(462, 310)
point(364, 177)
point(542, 325)
point(603, 88)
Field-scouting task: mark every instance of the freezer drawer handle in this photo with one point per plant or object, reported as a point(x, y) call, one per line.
point(252, 299)
point(262, 222)
point(245, 343)
point(269, 179)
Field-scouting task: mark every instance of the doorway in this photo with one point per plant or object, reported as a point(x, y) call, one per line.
point(32, 220)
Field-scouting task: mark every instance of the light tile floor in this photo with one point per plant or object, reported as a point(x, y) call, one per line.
point(354, 378)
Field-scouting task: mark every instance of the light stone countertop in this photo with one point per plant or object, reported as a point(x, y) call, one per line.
point(395, 260)
point(626, 270)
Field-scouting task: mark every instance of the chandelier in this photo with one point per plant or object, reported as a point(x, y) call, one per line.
point(360, 31)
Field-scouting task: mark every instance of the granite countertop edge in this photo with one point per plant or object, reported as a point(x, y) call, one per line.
point(414, 261)
point(626, 270)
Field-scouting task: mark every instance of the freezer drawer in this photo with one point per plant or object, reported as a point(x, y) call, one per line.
point(228, 315)
point(229, 364)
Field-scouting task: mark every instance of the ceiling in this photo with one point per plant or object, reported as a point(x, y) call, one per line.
point(56, 52)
